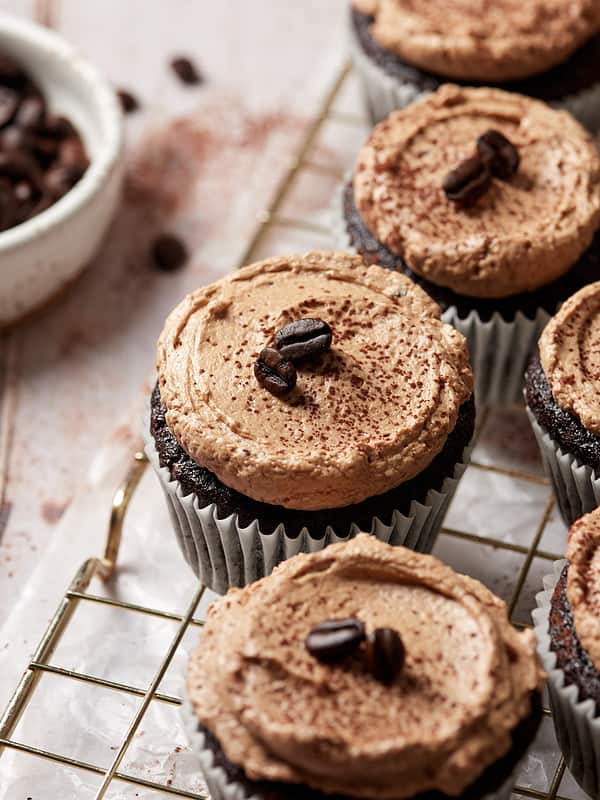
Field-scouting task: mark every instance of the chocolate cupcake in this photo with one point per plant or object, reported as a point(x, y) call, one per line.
point(299, 401)
point(562, 391)
point(567, 624)
point(491, 202)
point(547, 49)
point(363, 671)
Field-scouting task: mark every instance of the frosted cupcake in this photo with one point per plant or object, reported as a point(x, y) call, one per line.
point(491, 202)
point(363, 671)
point(548, 49)
point(568, 629)
point(300, 400)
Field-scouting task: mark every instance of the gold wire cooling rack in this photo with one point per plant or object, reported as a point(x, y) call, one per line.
point(104, 568)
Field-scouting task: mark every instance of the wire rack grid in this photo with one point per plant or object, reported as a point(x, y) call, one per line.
point(104, 568)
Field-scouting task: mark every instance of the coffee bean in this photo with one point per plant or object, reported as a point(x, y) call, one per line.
point(71, 151)
point(12, 137)
point(335, 640)
point(59, 127)
point(274, 372)
point(62, 177)
point(385, 653)
point(129, 102)
point(186, 71)
point(169, 252)
point(9, 103)
point(31, 113)
point(499, 153)
point(303, 338)
point(468, 181)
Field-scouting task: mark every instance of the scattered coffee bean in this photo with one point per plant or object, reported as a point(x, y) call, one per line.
point(169, 252)
point(335, 640)
point(274, 372)
point(129, 102)
point(468, 181)
point(186, 71)
point(499, 153)
point(385, 653)
point(303, 338)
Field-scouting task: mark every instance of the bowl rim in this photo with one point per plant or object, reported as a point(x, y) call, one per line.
point(102, 96)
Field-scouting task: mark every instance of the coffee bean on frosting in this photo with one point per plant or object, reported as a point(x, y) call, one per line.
point(468, 182)
point(385, 654)
point(335, 640)
point(275, 373)
point(499, 153)
point(303, 338)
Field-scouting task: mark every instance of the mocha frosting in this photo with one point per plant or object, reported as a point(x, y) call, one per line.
point(583, 582)
point(570, 356)
point(283, 716)
point(475, 40)
point(368, 415)
point(522, 234)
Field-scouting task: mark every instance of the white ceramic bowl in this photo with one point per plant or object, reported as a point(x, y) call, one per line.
point(41, 256)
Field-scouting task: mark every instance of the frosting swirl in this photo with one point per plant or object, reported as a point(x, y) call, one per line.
point(368, 415)
point(570, 356)
point(522, 234)
point(481, 41)
point(583, 582)
point(283, 716)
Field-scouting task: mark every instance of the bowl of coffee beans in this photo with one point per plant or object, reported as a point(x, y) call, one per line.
point(61, 165)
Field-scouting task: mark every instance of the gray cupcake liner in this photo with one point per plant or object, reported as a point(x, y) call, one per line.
point(224, 554)
point(222, 788)
point(576, 724)
point(383, 93)
point(576, 486)
point(499, 349)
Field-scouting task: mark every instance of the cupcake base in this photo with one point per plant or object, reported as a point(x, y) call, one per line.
point(576, 720)
point(390, 83)
point(226, 781)
point(231, 540)
point(570, 453)
point(502, 334)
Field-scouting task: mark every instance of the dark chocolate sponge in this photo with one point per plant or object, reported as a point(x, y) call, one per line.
point(570, 655)
point(564, 427)
point(490, 781)
point(580, 72)
point(549, 297)
point(209, 489)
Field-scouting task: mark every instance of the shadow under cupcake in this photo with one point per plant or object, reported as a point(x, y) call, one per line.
point(264, 452)
point(537, 48)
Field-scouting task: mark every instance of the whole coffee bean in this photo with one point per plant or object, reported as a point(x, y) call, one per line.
point(274, 372)
point(31, 113)
point(62, 177)
point(169, 252)
point(334, 640)
point(499, 153)
point(303, 338)
point(58, 127)
point(9, 103)
point(186, 71)
point(12, 137)
point(386, 654)
point(468, 181)
point(129, 102)
point(72, 151)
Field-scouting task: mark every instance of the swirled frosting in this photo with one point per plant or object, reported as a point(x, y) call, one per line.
point(523, 233)
point(482, 41)
point(367, 416)
point(570, 356)
point(283, 716)
point(583, 582)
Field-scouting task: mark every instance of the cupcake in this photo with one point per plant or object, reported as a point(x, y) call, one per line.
point(362, 671)
point(547, 49)
point(303, 399)
point(567, 624)
point(491, 202)
point(562, 392)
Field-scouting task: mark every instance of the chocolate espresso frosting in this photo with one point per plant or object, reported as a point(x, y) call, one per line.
point(570, 356)
point(282, 716)
point(363, 418)
point(583, 582)
point(482, 41)
point(522, 233)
